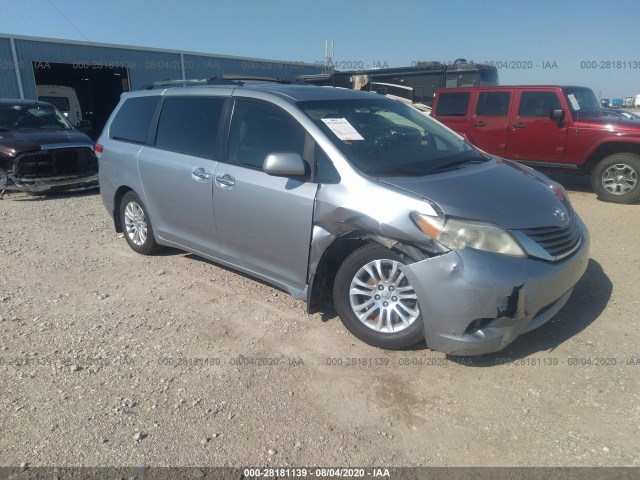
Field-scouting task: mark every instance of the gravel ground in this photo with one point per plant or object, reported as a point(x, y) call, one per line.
point(109, 358)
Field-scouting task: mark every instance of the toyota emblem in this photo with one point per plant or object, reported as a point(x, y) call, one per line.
point(560, 214)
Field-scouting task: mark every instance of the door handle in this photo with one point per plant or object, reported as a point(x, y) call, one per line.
point(199, 174)
point(225, 181)
point(520, 125)
point(481, 124)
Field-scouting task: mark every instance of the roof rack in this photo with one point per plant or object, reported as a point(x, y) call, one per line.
point(250, 78)
point(231, 80)
point(185, 83)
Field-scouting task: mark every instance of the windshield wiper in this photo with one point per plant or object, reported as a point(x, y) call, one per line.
point(396, 171)
point(424, 168)
point(459, 161)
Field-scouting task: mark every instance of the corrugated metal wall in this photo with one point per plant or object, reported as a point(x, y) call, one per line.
point(8, 82)
point(145, 66)
point(198, 66)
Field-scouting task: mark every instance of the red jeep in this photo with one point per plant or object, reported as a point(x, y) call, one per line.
point(549, 127)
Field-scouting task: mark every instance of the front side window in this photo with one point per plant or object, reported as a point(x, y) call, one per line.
point(538, 104)
point(258, 129)
point(384, 137)
point(190, 125)
point(453, 104)
point(22, 117)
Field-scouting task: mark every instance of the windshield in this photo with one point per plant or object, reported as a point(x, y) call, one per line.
point(582, 102)
point(18, 117)
point(61, 103)
point(383, 137)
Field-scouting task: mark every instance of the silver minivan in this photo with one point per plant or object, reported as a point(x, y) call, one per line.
point(346, 198)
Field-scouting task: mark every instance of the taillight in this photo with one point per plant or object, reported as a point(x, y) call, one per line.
point(98, 148)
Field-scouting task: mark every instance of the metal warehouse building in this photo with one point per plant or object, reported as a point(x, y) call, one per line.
point(99, 73)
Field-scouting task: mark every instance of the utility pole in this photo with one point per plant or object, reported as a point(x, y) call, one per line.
point(328, 52)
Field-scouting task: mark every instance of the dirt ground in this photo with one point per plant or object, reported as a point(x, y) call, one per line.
point(109, 358)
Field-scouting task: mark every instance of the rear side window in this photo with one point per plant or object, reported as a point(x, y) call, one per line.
point(453, 104)
point(493, 104)
point(538, 104)
point(131, 123)
point(190, 125)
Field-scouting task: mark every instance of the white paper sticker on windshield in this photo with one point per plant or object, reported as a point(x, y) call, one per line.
point(342, 128)
point(574, 102)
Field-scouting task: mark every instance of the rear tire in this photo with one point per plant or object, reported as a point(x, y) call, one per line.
point(616, 178)
point(375, 300)
point(136, 225)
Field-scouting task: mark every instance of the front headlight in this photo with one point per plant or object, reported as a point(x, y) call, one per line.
point(459, 234)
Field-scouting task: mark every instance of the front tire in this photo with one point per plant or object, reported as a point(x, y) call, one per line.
point(136, 225)
point(376, 301)
point(616, 178)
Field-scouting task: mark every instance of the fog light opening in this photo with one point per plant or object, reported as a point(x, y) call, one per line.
point(478, 324)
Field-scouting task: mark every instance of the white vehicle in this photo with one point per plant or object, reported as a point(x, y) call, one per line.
point(63, 98)
point(637, 101)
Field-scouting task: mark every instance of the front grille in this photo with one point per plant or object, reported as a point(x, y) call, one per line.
point(556, 241)
point(55, 163)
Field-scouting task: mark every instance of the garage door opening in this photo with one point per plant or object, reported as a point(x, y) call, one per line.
point(98, 90)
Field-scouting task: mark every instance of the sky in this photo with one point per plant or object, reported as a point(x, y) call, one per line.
point(593, 43)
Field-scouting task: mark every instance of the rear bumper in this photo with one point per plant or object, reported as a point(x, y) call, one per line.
point(505, 296)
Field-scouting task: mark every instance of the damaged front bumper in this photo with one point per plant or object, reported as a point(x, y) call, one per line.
point(55, 167)
point(49, 184)
point(475, 302)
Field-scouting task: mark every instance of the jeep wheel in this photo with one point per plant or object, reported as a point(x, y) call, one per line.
point(376, 301)
point(136, 224)
point(616, 178)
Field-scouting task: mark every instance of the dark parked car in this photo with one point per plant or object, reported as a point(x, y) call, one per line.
point(617, 113)
point(41, 151)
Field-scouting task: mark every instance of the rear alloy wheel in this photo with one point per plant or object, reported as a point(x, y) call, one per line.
point(136, 224)
point(376, 301)
point(616, 178)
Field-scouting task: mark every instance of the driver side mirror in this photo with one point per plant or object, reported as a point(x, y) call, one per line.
point(284, 164)
point(558, 116)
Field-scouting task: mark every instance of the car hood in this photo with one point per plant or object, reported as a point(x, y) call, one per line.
point(498, 191)
point(19, 141)
point(611, 124)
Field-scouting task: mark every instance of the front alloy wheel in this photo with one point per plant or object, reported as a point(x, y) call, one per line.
point(376, 301)
point(382, 297)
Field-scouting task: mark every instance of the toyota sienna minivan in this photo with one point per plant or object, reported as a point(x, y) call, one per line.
point(349, 197)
